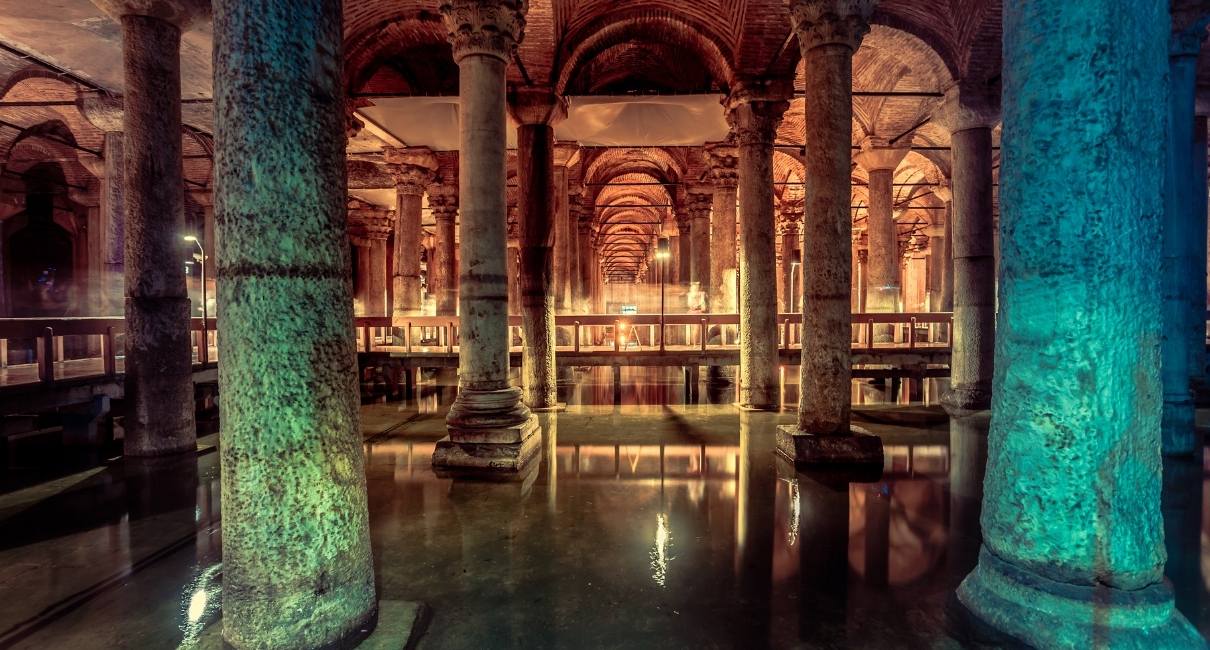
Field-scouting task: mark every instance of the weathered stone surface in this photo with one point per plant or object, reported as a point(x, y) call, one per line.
point(827, 32)
point(461, 449)
point(159, 375)
point(1073, 544)
point(882, 272)
point(443, 201)
point(724, 170)
point(412, 170)
point(535, 163)
point(296, 550)
point(857, 447)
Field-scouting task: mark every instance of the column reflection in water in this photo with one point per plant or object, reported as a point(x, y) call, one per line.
point(755, 505)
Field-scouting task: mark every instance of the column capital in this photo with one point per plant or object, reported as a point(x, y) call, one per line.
point(412, 168)
point(830, 22)
point(724, 164)
point(877, 155)
point(443, 201)
point(755, 108)
point(368, 221)
point(101, 109)
point(536, 105)
point(790, 219)
point(181, 13)
point(353, 124)
point(969, 105)
point(1187, 41)
point(699, 198)
point(484, 27)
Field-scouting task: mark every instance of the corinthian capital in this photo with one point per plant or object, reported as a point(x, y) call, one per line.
point(830, 22)
point(412, 168)
point(443, 201)
point(484, 27)
point(724, 164)
point(755, 108)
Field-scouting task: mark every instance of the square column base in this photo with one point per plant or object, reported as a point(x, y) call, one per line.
point(858, 447)
point(502, 449)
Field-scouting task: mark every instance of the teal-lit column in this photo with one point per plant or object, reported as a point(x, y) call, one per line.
point(828, 33)
point(1183, 263)
point(489, 427)
point(297, 568)
point(1073, 548)
point(159, 373)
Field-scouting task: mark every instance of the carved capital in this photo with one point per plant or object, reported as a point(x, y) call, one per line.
point(790, 222)
point(724, 165)
point(830, 22)
point(443, 201)
point(412, 168)
point(484, 27)
point(353, 124)
point(699, 199)
point(182, 13)
point(754, 109)
point(368, 221)
point(101, 109)
point(536, 105)
point(969, 105)
point(876, 155)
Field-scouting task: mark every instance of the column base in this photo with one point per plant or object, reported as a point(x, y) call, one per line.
point(395, 624)
point(1034, 610)
point(758, 407)
point(966, 400)
point(494, 449)
point(857, 447)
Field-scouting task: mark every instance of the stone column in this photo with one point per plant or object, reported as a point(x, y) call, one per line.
point(513, 227)
point(297, 567)
point(105, 112)
point(1183, 264)
point(882, 273)
point(791, 222)
point(684, 228)
point(720, 280)
point(443, 201)
point(700, 199)
point(159, 373)
point(828, 33)
point(754, 111)
point(1073, 549)
point(412, 170)
point(536, 110)
point(489, 426)
point(584, 237)
point(376, 290)
point(969, 112)
point(945, 248)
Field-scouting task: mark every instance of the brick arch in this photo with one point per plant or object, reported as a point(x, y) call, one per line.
point(581, 46)
point(369, 42)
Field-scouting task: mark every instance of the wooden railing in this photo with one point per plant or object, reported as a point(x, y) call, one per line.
point(102, 352)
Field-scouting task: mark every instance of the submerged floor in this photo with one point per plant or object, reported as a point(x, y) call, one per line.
point(645, 525)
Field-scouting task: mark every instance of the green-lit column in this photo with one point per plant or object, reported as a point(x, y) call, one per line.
point(297, 568)
point(1073, 548)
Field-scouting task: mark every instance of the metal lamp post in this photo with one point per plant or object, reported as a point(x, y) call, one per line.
point(204, 353)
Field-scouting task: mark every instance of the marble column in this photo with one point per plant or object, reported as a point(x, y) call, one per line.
point(104, 111)
point(969, 112)
point(945, 248)
point(828, 33)
point(754, 111)
point(159, 372)
point(536, 110)
point(791, 247)
point(684, 240)
point(584, 237)
point(564, 262)
point(376, 287)
point(1183, 264)
point(882, 272)
point(490, 428)
point(1073, 549)
point(443, 201)
point(412, 169)
point(514, 262)
point(720, 279)
point(297, 566)
point(701, 199)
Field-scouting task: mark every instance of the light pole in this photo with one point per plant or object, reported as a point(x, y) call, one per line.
point(661, 255)
point(204, 353)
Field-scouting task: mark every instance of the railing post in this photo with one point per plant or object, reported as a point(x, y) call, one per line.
point(869, 333)
point(949, 335)
point(109, 354)
point(576, 334)
point(407, 337)
point(3, 353)
point(786, 335)
point(617, 335)
point(365, 338)
point(705, 326)
point(912, 334)
point(46, 356)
